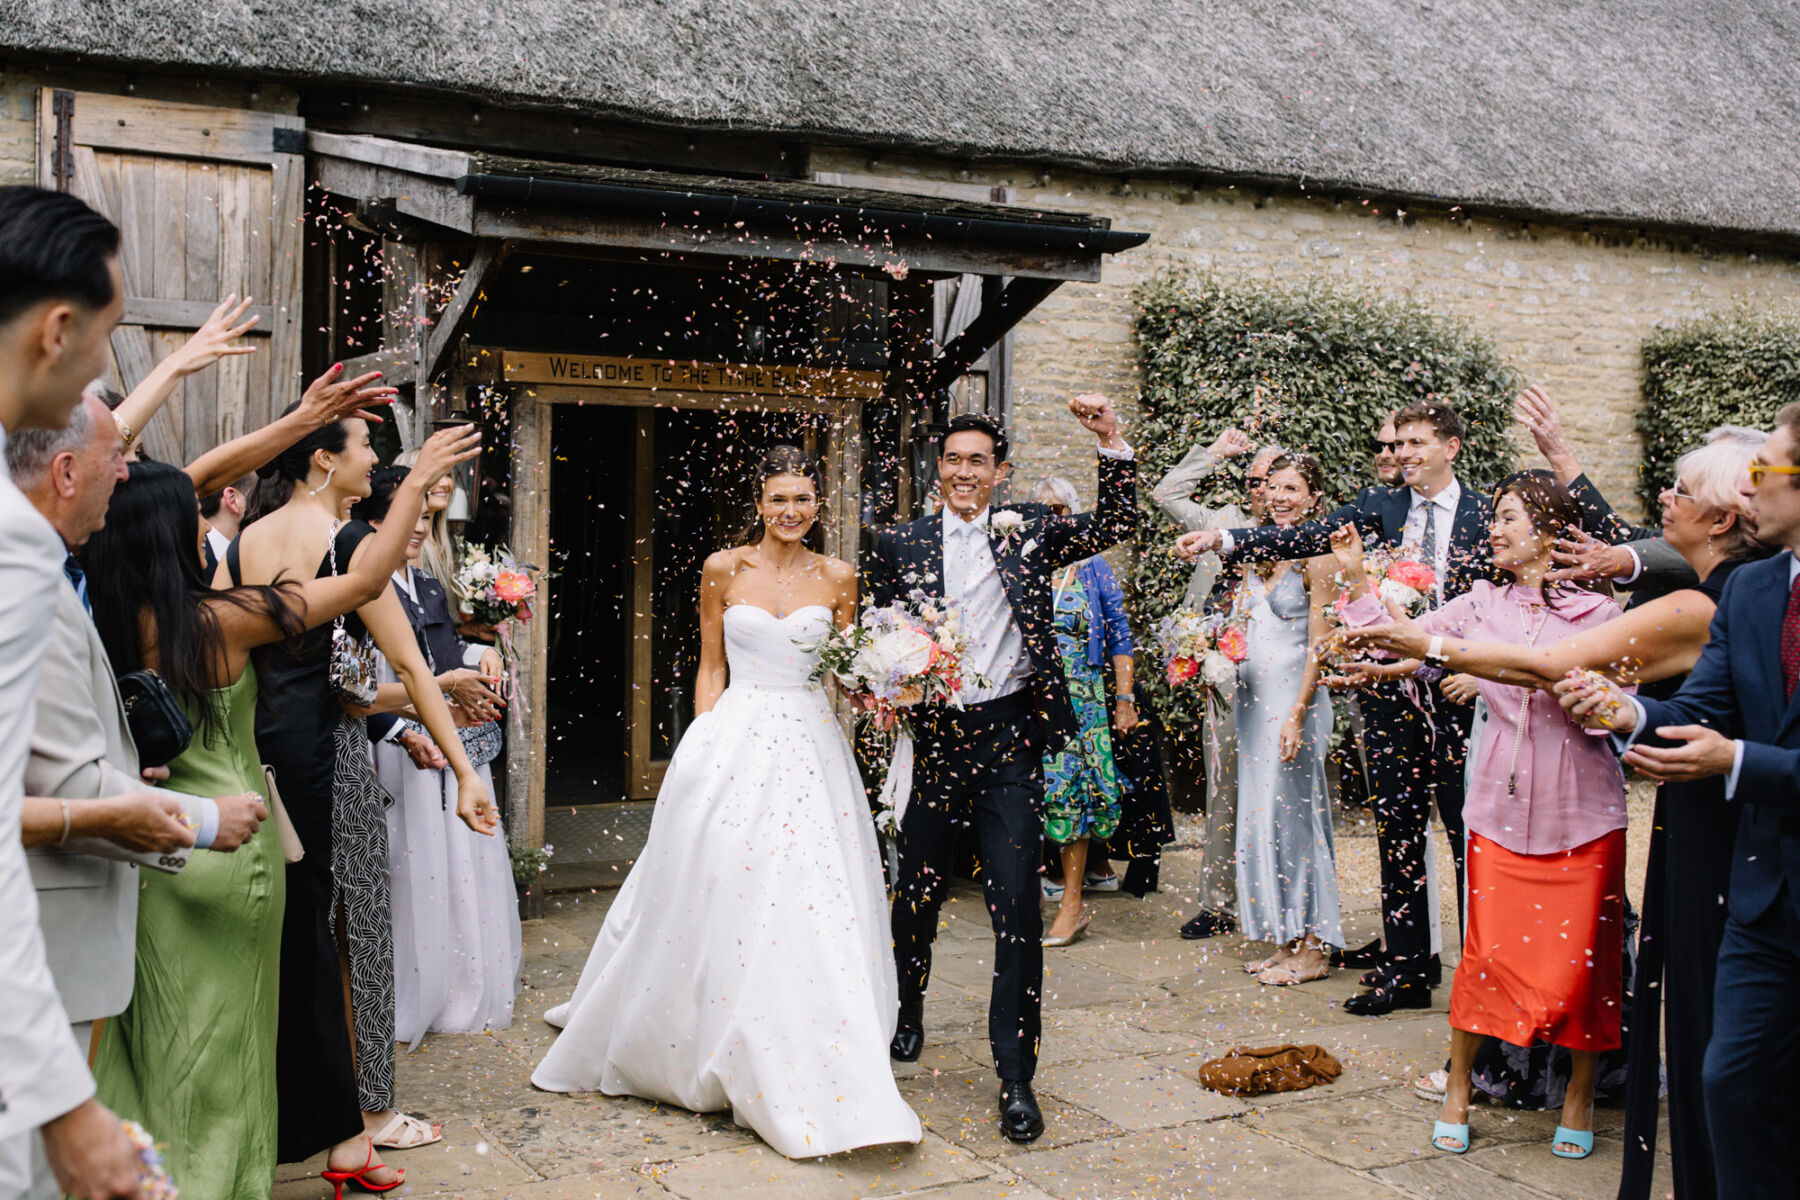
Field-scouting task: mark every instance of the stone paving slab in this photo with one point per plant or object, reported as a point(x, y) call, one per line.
point(757, 1171)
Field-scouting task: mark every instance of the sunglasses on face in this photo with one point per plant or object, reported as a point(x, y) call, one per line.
point(1380, 447)
point(1759, 470)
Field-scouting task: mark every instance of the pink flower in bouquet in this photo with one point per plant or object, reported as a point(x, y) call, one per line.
point(1180, 670)
point(1232, 644)
point(524, 612)
point(1415, 575)
point(911, 696)
point(511, 587)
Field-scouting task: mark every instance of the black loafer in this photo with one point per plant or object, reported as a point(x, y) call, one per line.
point(1434, 974)
point(1207, 924)
point(1382, 1000)
point(1370, 955)
point(1020, 1119)
point(909, 1040)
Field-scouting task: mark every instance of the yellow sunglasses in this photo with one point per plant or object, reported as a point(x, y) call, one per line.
point(1758, 470)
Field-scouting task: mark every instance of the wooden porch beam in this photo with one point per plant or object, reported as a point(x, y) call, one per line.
point(454, 321)
point(989, 326)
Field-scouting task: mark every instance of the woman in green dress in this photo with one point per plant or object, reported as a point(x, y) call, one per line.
point(193, 1056)
point(1082, 792)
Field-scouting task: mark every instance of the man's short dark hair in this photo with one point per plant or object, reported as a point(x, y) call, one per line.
point(52, 247)
point(979, 424)
point(210, 504)
point(1440, 416)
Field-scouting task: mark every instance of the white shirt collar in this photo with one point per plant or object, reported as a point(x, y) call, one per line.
point(1448, 499)
point(954, 524)
point(1793, 568)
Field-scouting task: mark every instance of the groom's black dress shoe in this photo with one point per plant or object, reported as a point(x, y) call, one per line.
point(1020, 1119)
point(1207, 924)
point(909, 1040)
point(1370, 955)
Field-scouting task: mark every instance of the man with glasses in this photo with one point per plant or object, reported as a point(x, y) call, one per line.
point(1386, 445)
point(1174, 495)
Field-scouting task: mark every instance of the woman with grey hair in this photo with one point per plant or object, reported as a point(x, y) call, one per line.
point(1082, 792)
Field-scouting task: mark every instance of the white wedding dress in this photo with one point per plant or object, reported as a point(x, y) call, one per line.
point(746, 962)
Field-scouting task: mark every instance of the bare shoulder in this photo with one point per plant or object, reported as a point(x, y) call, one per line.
point(721, 565)
point(836, 570)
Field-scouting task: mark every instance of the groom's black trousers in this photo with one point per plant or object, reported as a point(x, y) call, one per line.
point(984, 766)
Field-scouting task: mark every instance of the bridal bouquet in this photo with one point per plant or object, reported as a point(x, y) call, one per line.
point(903, 654)
point(1393, 576)
point(496, 588)
point(1202, 650)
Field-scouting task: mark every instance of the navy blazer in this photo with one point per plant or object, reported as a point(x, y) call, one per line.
point(911, 556)
point(1381, 511)
point(1737, 689)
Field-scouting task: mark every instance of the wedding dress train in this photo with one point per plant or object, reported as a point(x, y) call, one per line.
point(746, 962)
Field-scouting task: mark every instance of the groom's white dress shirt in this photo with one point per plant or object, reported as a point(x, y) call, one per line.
point(972, 582)
point(43, 1073)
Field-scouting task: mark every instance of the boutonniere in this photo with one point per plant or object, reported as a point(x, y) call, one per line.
point(1007, 525)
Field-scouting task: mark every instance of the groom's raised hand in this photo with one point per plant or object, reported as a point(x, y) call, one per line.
point(1096, 412)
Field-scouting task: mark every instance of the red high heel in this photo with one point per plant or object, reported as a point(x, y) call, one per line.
point(355, 1178)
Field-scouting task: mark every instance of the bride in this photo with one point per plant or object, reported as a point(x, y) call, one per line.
point(746, 962)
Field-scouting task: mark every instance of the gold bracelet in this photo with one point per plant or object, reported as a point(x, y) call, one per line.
point(124, 430)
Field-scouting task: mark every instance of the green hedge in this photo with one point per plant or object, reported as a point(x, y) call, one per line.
point(1737, 367)
point(1313, 367)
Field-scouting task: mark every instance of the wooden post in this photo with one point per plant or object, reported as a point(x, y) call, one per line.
point(910, 305)
point(531, 542)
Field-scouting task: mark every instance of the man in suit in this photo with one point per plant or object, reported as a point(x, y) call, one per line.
point(1174, 495)
point(983, 764)
point(1738, 715)
point(60, 296)
point(1415, 750)
point(82, 752)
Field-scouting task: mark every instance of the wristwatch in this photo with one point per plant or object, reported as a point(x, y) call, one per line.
point(1434, 652)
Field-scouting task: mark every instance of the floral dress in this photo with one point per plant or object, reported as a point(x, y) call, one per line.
point(1081, 781)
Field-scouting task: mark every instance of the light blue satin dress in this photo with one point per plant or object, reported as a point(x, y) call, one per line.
point(1286, 863)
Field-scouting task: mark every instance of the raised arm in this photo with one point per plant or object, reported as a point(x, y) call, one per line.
point(1174, 492)
point(1070, 539)
point(211, 342)
point(328, 400)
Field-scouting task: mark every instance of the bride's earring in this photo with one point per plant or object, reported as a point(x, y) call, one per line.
point(327, 483)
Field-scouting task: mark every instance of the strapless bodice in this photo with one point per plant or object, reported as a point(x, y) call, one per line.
point(766, 651)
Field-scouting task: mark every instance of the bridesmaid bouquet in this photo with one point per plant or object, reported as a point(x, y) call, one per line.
point(496, 588)
point(1394, 577)
point(1202, 650)
point(153, 1178)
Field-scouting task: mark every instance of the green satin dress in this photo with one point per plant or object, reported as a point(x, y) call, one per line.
point(193, 1057)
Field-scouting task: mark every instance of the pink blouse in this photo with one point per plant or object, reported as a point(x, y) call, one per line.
point(1566, 785)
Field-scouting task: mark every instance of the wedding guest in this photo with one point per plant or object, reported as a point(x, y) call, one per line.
point(440, 556)
point(1286, 864)
point(1082, 796)
point(1729, 721)
point(1707, 518)
point(193, 1056)
point(456, 913)
point(328, 1097)
point(1387, 455)
point(1174, 495)
point(1415, 738)
point(223, 512)
point(62, 296)
point(1546, 823)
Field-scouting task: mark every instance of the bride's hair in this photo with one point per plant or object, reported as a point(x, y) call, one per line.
point(785, 460)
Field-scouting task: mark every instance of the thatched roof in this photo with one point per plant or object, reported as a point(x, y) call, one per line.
point(1653, 111)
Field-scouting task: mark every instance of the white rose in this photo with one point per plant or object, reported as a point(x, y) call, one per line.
point(1399, 593)
point(1216, 670)
point(904, 652)
point(1007, 521)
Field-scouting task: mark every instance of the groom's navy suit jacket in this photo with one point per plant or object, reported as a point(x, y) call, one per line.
point(911, 557)
point(1737, 689)
point(1381, 511)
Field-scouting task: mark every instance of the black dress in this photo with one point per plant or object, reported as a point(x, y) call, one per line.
point(296, 730)
point(1685, 883)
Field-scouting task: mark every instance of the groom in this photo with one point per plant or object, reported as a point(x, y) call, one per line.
point(983, 764)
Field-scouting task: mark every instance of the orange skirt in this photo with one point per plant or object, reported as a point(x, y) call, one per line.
point(1542, 960)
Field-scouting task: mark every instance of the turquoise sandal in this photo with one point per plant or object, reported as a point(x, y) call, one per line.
point(1584, 1138)
point(1456, 1133)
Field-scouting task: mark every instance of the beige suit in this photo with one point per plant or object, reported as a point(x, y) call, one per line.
point(81, 749)
point(43, 1073)
point(1174, 495)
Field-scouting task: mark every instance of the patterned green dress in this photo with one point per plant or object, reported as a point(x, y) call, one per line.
point(1081, 782)
point(193, 1057)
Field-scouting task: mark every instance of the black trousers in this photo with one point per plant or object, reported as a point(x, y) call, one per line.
point(981, 767)
point(1754, 1054)
point(1416, 754)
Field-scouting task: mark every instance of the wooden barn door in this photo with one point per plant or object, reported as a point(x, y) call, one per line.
point(208, 201)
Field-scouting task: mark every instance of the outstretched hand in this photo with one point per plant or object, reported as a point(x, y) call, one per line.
point(1595, 702)
point(475, 806)
point(1096, 414)
point(1191, 545)
point(329, 398)
point(1230, 444)
point(442, 451)
point(1580, 556)
point(1705, 752)
point(1538, 415)
point(213, 340)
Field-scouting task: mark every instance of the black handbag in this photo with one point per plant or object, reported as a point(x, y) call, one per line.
point(158, 726)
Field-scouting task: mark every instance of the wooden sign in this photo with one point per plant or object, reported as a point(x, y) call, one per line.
point(654, 374)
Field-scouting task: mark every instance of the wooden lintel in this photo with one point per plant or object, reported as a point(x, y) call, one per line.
point(647, 398)
point(902, 257)
point(187, 314)
point(385, 152)
point(675, 375)
point(454, 320)
point(394, 362)
point(434, 201)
